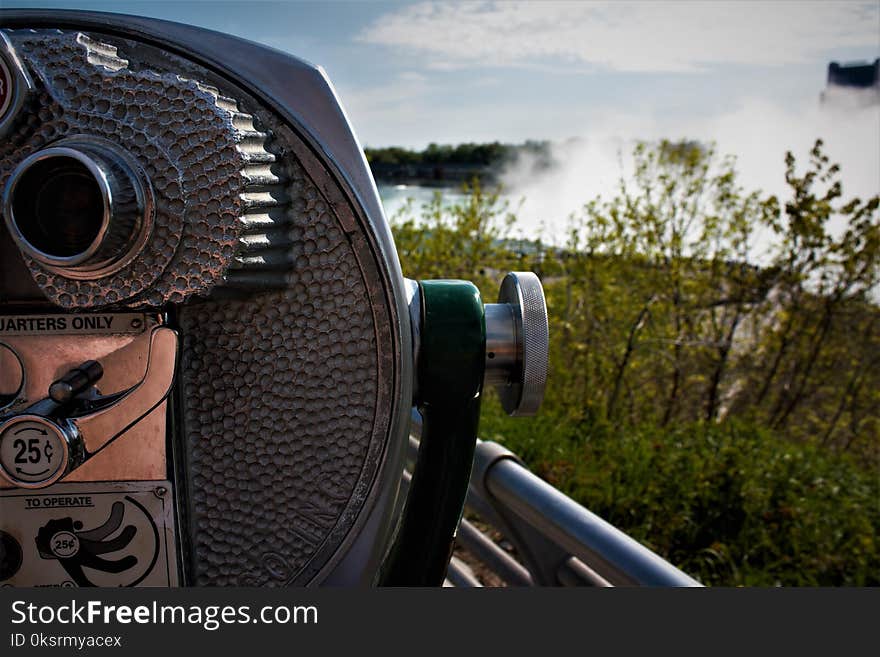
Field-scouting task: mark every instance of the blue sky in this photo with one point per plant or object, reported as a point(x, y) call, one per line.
point(746, 75)
point(410, 73)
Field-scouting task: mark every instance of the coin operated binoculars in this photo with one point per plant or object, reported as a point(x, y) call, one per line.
point(209, 355)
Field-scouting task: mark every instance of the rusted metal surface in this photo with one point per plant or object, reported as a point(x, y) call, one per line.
point(140, 453)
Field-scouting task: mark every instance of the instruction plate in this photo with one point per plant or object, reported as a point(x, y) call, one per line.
point(88, 534)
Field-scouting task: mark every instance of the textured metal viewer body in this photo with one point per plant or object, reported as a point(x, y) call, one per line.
point(266, 252)
point(222, 320)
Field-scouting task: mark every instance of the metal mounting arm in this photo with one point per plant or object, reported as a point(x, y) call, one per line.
point(450, 381)
point(460, 344)
point(101, 427)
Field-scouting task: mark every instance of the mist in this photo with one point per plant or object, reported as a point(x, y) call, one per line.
point(757, 133)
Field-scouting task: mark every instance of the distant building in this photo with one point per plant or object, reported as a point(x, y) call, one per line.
point(852, 84)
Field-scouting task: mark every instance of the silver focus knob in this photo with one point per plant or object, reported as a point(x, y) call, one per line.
point(518, 343)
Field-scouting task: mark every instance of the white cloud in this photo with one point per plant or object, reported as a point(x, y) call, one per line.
point(632, 36)
point(757, 132)
point(388, 108)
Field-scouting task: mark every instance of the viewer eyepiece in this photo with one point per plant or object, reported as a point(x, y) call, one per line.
point(78, 208)
point(60, 206)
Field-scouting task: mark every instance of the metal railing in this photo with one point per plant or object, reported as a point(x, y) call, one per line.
point(557, 541)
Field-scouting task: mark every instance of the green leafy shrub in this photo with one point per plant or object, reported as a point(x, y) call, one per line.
point(729, 503)
point(724, 413)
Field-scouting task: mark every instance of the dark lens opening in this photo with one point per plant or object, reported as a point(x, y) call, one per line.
point(58, 206)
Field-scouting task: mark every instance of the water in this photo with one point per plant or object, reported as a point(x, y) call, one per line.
point(394, 197)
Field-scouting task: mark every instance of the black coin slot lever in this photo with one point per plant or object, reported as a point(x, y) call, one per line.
point(76, 381)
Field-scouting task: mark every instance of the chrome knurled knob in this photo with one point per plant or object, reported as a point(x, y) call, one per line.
point(518, 343)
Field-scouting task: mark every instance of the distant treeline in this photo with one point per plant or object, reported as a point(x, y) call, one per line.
point(443, 164)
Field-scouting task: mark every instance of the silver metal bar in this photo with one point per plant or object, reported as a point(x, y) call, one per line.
point(412, 452)
point(575, 572)
point(502, 347)
point(602, 554)
point(611, 553)
point(460, 574)
point(484, 549)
